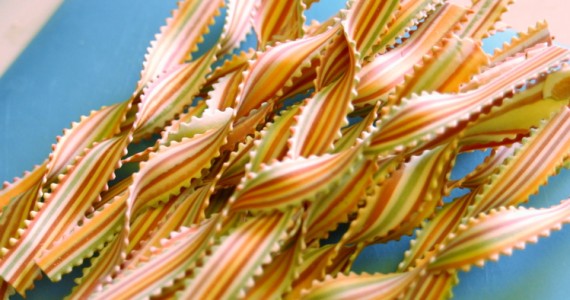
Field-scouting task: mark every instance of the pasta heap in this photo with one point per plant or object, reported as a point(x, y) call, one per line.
point(240, 186)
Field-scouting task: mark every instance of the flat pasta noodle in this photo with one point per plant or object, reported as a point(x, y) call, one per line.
point(498, 175)
point(273, 141)
point(61, 210)
point(237, 24)
point(486, 14)
point(323, 115)
point(236, 164)
point(98, 126)
point(19, 202)
point(364, 286)
point(171, 262)
point(529, 167)
point(499, 232)
point(409, 15)
point(379, 78)
point(536, 103)
point(402, 201)
point(367, 20)
point(433, 286)
point(185, 210)
point(315, 262)
point(167, 96)
point(178, 38)
point(270, 284)
point(427, 117)
point(230, 269)
point(82, 242)
point(101, 266)
point(271, 27)
point(272, 70)
point(452, 63)
point(175, 165)
point(536, 34)
point(325, 215)
point(284, 183)
point(237, 188)
point(435, 232)
point(489, 166)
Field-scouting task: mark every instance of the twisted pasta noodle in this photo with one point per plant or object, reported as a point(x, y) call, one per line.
point(239, 190)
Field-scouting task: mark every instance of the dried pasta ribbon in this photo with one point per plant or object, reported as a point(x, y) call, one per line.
point(230, 269)
point(237, 24)
point(144, 224)
point(62, 208)
point(486, 13)
point(403, 200)
point(236, 167)
point(246, 126)
point(275, 67)
point(84, 241)
point(99, 126)
point(155, 224)
point(5, 289)
point(498, 232)
point(410, 14)
point(424, 118)
point(169, 263)
point(529, 167)
point(316, 262)
point(178, 38)
point(435, 232)
point(500, 68)
point(166, 97)
point(172, 167)
point(176, 19)
point(274, 281)
point(352, 134)
point(101, 266)
point(271, 27)
point(368, 20)
point(21, 187)
point(385, 286)
point(489, 166)
point(379, 77)
point(238, 193)
point(322, 116)
point(503, 126)
point(326, 214)
point(231, 65)
point(537, 34)
point(433, 286)
point(225, 91)
point(283, 184)
point(453, 63)
point(500, 174)
point(18, 202)
point(272, 144)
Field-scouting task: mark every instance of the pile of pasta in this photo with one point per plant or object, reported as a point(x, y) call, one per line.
point(239, 186)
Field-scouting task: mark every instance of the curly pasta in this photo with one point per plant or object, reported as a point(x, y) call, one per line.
point(240, 189)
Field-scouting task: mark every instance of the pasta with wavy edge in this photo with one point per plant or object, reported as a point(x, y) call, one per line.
point(495, 185)
point(243, 166)
point(26, 282)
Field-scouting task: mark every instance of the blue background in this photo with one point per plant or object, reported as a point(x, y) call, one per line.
point(90, 54)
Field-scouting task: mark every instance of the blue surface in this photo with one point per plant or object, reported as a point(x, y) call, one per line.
point(90, 54)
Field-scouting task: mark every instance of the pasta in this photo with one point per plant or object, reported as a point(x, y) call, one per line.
point(240, 187)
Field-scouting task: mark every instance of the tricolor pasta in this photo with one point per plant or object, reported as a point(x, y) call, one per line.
point(240, 187)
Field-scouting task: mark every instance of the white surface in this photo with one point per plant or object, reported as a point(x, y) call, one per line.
point(20, 20)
